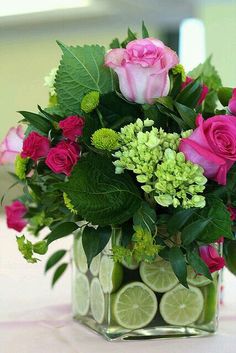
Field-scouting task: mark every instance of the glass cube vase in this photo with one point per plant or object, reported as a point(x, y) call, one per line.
point(138, 301)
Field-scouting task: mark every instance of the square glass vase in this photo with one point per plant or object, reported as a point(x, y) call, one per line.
point(131, 301)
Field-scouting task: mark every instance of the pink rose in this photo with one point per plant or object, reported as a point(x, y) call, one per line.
point(72, 127)
point(232, 103)
point(204, 92)
point(232, 211)
point(142, 69)
point(35, 146)
point(11, 146)
point(211, 258)
point(15, 213)
point(212, 145)
point(63, 157)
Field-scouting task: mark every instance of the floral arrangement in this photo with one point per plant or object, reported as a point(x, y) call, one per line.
point(129, 140)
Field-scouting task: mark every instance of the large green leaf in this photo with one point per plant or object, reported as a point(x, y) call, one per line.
point(54, 259)
point(81, 70)
point(145, 217)
point(37, 121)
point(198, 264)
point(179, 219)
point(192, 231)
point(190, 95)
point(178, 263)
point(61, 231)
point(99, 195)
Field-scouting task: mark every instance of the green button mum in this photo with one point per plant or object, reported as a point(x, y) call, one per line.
point(90, 101)
point(105, 139)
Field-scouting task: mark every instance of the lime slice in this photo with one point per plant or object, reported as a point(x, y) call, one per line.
point(97, 300)
point(135, 306)
point(158, 275)
point(81, 294)
point(196, 280)
point(210, 304)
point(110, 274)
point(79, 255)
point(181, 306)
point(131, 265)
point(95, 264)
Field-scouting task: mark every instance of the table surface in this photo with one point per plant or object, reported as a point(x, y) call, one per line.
point(36, 319)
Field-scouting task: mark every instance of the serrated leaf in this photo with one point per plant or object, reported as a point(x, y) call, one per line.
point(81, 70)
point(178, 263)
point(145, 33)
point(198, 264)
point(98, 194)
point(145, 217)
point(94, 241)
point(59, 272)
point(193, 230)
point(37, 121)
point(54, 259)
point(61, 230)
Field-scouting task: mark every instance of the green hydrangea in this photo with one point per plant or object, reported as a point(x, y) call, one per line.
point(141, 149)
point(69, 204)
point(179, 69)
point(21, 167)
point(179, 182)
point(49, 81)
point(90, 101)
point(105, 139)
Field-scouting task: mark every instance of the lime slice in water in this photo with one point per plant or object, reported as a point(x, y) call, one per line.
point(196, 280)
point(95, 264)
point(158, 275)
point(131, 265)
point(81, 294)
point(79, 256)
point(135, 305)
point(110, 274)
point(97, 300)
point(181, 306)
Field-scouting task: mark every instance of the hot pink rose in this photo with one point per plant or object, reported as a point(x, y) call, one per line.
point(211, 257)
point(212, 145)
point(15, 213)
point(11, 145)
point(232, 103)
point(72, 127)
point(142, 69)
point(232, 211)
point(204, 92)
point(63, 157)
point(35, 146)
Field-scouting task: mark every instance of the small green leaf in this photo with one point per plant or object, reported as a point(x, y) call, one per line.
point(41, 247)
point(59, 272)
point(37, 121)
point(178, 263)
point(193, 230)
point(190, 95)
point(187, 114)
point(115, 44)
point(60, 231)
point(54, 259)
point(179, 219)
point(26, 249)
point(198, 264)
point(94, 241)
point(131, 35)
point(145, 217)
point(145, 33)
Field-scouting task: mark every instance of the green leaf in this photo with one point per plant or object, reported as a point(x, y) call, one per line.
point(131, 35)
point(61, 230)
point(210, 103)
point(37, 121)
point(179, 219)
point(145, 217)
point(224, 95)
point(115, 44)
point(187, 114)
point(230, 255)
point(41, 247)
point(59, 272)
point(192, 231)
point(54, 259)
point(145, 33)
point(94, 241)
point(190, 95)
point(81, 70)
point(26, 249)
point(198, 264)
point(166, 102)
point(98, 194)
point(178, 263)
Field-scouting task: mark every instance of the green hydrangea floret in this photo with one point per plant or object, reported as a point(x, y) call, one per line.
point(105, 139)
point(179, 69)
point(21, 167)
point(90, 101)
point(69, 204)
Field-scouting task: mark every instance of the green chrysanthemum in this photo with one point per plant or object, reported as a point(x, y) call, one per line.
point(105, 139)
point(90, 101)
point(69, 204)
point(21, 166)
point(179, 69)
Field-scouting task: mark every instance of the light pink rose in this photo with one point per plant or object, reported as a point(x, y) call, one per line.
point(14, 214)
point(211, 258)
point(142, 68)
point(63, 157)
point(204, 92)
point(11, 146)
point(232, 103)
point(212, 145)
point(35, 146)
point(72, 127)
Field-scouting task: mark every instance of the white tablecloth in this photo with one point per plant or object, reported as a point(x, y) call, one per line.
point(36, 319)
